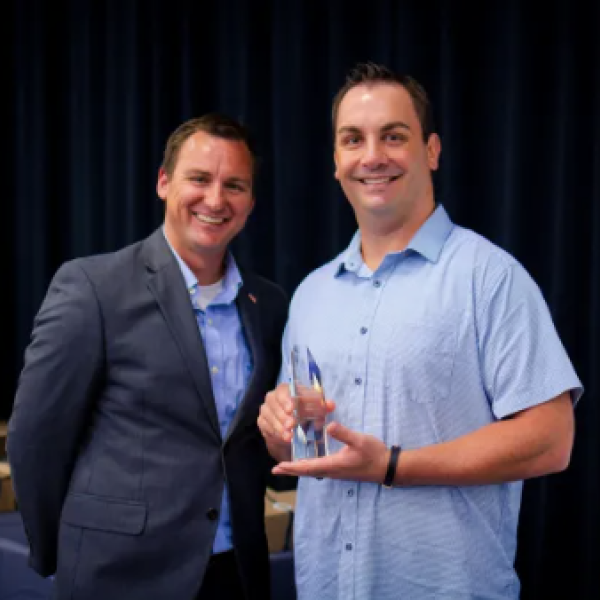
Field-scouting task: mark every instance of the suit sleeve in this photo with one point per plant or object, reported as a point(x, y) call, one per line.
point(279, 483)
point(53, 406)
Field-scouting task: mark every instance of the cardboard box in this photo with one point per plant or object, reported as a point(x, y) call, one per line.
point(3, 434)
point(7, 495)
point(279, 519)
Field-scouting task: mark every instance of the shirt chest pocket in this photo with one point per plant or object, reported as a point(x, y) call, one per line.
point(420, 361)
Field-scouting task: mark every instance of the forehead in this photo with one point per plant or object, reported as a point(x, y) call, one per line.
point(207, 152)
point(375, 105)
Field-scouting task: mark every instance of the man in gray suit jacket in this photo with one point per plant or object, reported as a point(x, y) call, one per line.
point(138, 466)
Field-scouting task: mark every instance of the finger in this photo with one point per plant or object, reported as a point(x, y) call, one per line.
point(295, 472)
point(280, 401)
point(272, 428)
point(276, 421)
point(280, 397)
point(271, 435)
point(343, 434)
point(290, 469)
point(314, 467)
point(265, 427)
point(321, 420)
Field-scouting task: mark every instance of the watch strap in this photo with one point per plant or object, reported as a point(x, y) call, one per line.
point(392, 464)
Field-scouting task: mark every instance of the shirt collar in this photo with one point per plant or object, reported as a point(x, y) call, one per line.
point(232, 280)
point(428, 241)
point(432, 235)
point(351, 259)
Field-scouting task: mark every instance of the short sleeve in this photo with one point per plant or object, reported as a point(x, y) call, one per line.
point(523, 360)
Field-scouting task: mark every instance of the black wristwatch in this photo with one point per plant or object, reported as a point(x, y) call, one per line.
point(391, 470)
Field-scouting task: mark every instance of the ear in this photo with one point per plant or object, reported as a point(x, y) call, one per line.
point(162, 184)
point(336, 173)
point(434, 148)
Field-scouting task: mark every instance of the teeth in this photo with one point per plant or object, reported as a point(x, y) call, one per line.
point(207, 219)
point(376, 181)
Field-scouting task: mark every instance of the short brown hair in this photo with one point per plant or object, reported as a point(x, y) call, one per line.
point(371, 73)
point(215, 124)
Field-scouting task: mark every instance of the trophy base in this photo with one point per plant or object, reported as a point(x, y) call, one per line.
point(304, 447)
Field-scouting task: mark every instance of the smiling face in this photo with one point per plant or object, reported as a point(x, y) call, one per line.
point(382, 162)
point(208, 197)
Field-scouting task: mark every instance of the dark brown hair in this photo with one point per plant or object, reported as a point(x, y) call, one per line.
point(215, 124)
point(371, 73)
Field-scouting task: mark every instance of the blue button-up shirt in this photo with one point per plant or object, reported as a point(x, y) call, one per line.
point(229, 361)
point(445, 337)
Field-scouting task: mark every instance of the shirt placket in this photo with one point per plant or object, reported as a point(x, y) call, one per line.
point(359, 336)
point(214, 353)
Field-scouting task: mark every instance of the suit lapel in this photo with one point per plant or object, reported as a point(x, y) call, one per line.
point(166, 284)
point(247, 304)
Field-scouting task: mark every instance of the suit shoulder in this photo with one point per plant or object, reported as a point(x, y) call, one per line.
point(102, 267)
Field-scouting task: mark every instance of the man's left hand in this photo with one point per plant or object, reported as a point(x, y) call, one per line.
point(363, 458)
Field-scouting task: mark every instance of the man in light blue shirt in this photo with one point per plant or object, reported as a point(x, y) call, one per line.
point(447, 379)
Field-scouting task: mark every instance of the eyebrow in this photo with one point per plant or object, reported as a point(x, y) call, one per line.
point(387, 127)
point(190, 172)
point(196, 172)
point(239, 180)
point(395, 124)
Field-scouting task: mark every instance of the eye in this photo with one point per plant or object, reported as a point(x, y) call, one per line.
point(236, 187)
point(201, 179)
point(350, 140)
point(394, 137)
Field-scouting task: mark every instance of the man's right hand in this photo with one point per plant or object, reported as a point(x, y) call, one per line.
point(276, 422)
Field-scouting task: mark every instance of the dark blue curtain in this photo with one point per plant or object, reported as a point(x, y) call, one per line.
point(95, 87)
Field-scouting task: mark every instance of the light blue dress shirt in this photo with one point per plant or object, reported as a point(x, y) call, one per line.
point(229, 361)
point(443, 338)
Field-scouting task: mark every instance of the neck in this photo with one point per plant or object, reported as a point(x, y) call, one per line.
point(207, 274)
point(207, 268)
point(380, 237)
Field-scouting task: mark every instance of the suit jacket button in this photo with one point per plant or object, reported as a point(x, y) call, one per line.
point(212, 514)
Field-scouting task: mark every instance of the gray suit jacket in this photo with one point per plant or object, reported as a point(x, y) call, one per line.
point(114, 443)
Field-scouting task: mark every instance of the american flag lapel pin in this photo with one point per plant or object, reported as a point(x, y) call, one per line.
point(252, 297)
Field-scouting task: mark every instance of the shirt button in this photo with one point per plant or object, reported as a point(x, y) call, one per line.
point(363, 330)
point(358, 381)
point(210, 321)
point(377, 283)
point(350, 493)
point(348, 546)
point(215, 370)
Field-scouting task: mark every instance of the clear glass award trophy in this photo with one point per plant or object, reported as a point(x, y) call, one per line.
point(309, 438)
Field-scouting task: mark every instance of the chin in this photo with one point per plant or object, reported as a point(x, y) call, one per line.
point(376, 203)
point(205, 244)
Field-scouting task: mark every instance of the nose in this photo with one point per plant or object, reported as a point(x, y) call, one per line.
point(374, 157)
point(214, 197)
